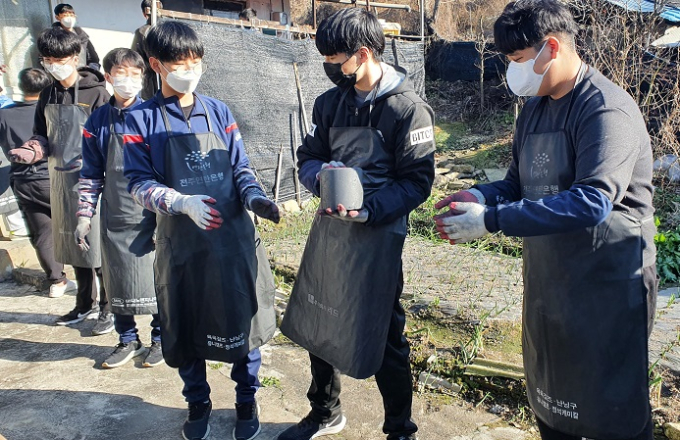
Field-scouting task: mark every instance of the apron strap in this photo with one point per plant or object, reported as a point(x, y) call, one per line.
point(207, 114)
point(167, 121)
point(371, 105)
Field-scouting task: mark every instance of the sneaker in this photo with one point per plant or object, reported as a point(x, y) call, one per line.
point(247, 421)
point(155, 355)
point(308, 429)
point(196, 425)
point(58, 290)
point(123, 353)
point(75, 316)
point(104, 324)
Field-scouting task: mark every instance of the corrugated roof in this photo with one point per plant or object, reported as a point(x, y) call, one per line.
point(670, 9)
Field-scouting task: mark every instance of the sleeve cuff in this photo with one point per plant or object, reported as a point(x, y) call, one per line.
point(491, 220)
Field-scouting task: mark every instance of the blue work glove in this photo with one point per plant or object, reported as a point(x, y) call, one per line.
point(265, 208)
point(72, 167)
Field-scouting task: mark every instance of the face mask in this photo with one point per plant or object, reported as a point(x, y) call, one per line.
point(183, 83)
point(59, 71)
point(68, 22)
point(522, 79)
point(338, 77)
point(126, 87)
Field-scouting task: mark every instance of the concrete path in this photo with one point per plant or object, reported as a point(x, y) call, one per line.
point(52, 388)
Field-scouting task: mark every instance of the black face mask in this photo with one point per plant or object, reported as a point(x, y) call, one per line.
point(335, 74)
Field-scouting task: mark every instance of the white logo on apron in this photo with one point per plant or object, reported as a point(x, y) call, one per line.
point(539, 170)
point(197, 161)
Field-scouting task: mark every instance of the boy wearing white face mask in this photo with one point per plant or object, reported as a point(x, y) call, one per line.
point(66, 20)
point(62, 109)
point(127, 229)
point(186, 162)
point(579, 192)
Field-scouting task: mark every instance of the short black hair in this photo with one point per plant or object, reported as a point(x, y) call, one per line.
point(172, 41)
point(347, 30)
point(32, 81)
point(526, 23)
point(122, 57)
point(149, 4)
point(63, 7)
point(247, 14)
point(57, 43)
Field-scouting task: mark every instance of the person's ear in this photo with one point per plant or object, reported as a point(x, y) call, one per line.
point(108, 78)
point(554, 46)
point(363, 54)
point(154, 63)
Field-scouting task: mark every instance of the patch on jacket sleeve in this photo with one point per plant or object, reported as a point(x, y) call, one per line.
point(312, 130)
point(422, 135)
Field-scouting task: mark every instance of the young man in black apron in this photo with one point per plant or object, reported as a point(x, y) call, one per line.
point(127, 228)
point(60, 115)
point(186, 161)
point(31, 183)
point(351, 268)
point(579, 190)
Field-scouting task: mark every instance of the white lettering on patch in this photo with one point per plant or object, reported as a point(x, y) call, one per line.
point(313, 129)
point(422, 135)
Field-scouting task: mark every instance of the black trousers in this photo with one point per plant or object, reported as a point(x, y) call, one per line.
point(547, 433)
point(86, 297)
point(394, 380)
point(33, 197)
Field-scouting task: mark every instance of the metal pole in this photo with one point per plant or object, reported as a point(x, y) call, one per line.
point(313, 14)
point(154, 11)
point(422, 20)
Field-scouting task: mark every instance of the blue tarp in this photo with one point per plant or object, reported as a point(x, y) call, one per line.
point(668, 10)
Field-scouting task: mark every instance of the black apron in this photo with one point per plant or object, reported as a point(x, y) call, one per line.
point(585, 311)
point(127, 239)
point(343, 297)
point(65, 135)
point(215, 288)
point(8, 202)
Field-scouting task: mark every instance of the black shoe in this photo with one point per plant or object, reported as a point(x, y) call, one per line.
point(155, 355)
point(75, 316)
point(403, 437)
point(247, 421)
point(196, 426)
point(104, 324)
point(123, 353)
point(308, 429)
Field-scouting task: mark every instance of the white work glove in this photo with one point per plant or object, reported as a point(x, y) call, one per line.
point(80, 234)
point(331, 164)
point(462, 223)
point(196, 207)
point(469, 195)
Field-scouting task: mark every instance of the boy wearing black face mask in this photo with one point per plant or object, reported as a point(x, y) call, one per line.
point(373, 120)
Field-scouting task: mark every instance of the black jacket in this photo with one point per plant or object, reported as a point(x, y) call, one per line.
point(92, 94)
point(92, 59)
point(150, 86)
point(16, 127)
point(399, 114)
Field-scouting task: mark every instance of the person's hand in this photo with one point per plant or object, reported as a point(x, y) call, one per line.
point(331, 164)
point(462, 223)
point(359, 216)
point(81, 232)
point(30, 152)
point(265, 208)
point(72, 167)
point(469, 196)
point(196, 207)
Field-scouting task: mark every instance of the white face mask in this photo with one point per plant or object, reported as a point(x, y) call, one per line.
point(183, 83)
point(522, 79)
point(127, 87)
point(68, 22)
point(59, 71)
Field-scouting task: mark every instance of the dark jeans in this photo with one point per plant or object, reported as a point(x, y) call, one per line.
point(547, 433)
point(126, 327)
point(86, 297)
point(33, 197)
point(243, 372)
point(394, 380)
